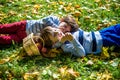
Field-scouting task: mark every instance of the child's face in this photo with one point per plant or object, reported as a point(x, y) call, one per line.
point(56, 35)
point(64, 27)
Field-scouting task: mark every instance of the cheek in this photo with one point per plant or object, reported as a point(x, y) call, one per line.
point(68, 29)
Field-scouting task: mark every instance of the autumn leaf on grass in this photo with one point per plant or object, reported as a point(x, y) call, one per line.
point(77, 13)
point(37, 6)
point(2, 61)
point(63, 71)
point(12, 13)
point(106, 76)
point(32, 75)
point(69, 8)
point(105, 53)
point(73, 73)
point(97, 0)
point(61, 3)
point(68, 73)
point(77, 6)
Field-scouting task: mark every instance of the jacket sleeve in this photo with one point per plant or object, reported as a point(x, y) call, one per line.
point(75, 48)
point(51, 21)
point(34, 26)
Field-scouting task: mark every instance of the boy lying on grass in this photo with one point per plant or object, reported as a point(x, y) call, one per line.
point(81, 43)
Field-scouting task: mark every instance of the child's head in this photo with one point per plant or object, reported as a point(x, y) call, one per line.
point(51, 35)
point(68, 24)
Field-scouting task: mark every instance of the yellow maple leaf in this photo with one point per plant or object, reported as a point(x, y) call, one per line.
point(73, 73)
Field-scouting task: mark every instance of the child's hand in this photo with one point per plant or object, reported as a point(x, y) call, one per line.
point(67, 37)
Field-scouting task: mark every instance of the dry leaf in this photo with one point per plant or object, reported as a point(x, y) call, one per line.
point(105, 53)
point(77, 6)
point(67, 74)
point(106, 76)
point(2, 61)
point(61, 3)
point(73, 73)
point(97, 0)
point(36, 6)
point(63, 71)
point(27, 76)
point(76, 13)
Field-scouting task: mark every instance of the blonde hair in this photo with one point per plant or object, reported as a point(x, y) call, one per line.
point(45, 34)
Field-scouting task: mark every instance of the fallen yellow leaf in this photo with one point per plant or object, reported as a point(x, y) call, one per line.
point(76, 13)
point(77, 6)
point(73, 73)
point(61, 3)
point(97, 0)
point(27, 76)
point(36, 6)
point(2, 61)
point(105, 53)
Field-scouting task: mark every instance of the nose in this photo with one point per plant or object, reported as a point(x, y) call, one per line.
point(62, 29)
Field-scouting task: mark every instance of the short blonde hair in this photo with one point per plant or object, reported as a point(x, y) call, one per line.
point(45, 34)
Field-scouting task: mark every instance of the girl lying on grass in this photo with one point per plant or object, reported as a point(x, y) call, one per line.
point(18, 30)
point(80, 43)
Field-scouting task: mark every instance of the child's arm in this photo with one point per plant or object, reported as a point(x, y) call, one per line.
point(51, 21)
point(74, 47)
point(35, 26)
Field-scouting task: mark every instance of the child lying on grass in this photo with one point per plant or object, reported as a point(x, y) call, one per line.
point(18, 30)
point(81, 43)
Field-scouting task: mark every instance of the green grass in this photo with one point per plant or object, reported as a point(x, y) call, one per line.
point(92, 15)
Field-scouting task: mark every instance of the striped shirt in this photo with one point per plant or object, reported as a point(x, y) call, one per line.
point(35, 26)
point(83, 43)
